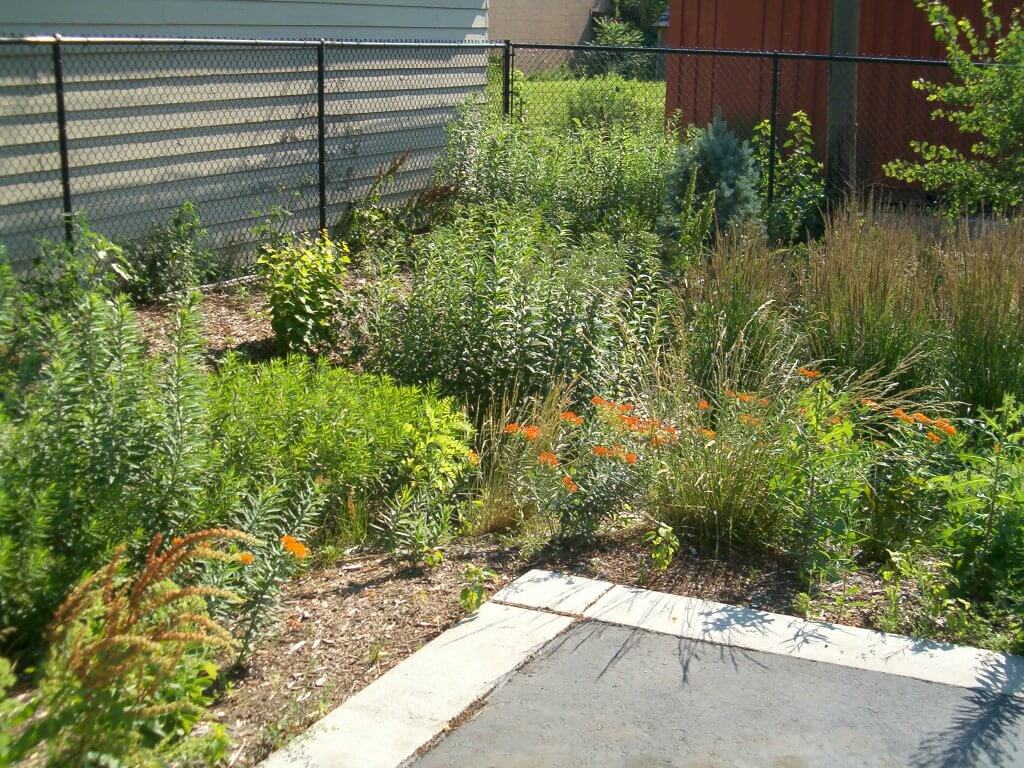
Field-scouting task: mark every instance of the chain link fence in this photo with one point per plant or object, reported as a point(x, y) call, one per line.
point(122, 131)
point(554, 85)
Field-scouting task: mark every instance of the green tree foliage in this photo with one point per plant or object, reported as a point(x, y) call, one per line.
point(798, 197)
point(983, 101)
point(724, 166)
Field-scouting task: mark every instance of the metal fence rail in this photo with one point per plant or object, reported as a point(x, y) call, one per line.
point(123, 130)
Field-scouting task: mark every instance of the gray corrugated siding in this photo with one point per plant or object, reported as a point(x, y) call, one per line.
point(297, 19)
point(232, 129)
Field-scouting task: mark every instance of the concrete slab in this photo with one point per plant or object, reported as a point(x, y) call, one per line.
point(604, 696)
point(746, 628)
point(386, 722)
point(552, 591)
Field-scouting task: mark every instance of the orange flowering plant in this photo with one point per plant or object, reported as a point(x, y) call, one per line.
point(575, 469)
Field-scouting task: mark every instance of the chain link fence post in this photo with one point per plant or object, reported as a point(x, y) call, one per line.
point(506, 79)
point(321, 133)
point(62, 140)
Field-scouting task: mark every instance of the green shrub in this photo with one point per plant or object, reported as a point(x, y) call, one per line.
point(589, 180)
point(172, 259)
point(501, 302)
point(359, 439)
point(724, 166)
point(983, 103)
point(798, 198)
point(108, 447)
point(603, 102)
point(62, 274)
point(983, 531)
point(615, 33)
point(304, 280)
point(129, 669)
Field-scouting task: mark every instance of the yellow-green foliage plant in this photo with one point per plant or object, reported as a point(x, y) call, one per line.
point(305, 282)
point(130, 664)
point(359, 439)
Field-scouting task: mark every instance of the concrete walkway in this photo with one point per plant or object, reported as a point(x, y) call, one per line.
point(559, 671)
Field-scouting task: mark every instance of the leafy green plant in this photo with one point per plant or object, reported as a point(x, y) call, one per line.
point(62, 274)
point(108, 447)
point(304, 281)
point(610, 100)
point(687, 225)
point(984, 532)
point(474, 590)
point(663, 544)
point(173, 258)
point(723, 165)
point(359, 439)
point(130, 664)
point(798, 197)
point(610, 178)
point(981, 100)
point(503, 302)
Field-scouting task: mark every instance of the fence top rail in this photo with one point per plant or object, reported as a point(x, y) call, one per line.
point(738, 53)
point(241, 42)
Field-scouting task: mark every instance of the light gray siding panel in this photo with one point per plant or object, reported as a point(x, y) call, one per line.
point(333, 19)
point(232, 129)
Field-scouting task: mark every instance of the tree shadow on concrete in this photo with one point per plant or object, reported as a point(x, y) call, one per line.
point(986, 726)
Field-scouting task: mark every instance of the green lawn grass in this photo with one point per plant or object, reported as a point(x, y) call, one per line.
point(545, 103)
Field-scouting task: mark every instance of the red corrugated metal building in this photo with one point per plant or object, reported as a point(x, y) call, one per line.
point(889, 111)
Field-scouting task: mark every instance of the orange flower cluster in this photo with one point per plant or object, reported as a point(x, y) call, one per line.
point(548, 459)
point(474, 458)
point(868, 403)
point(572, 418)
point(246, 558)
point(529, 432)
point(809, 373)
point(903, 416)
point(295, 547)
point(939, 425)
point(570, 484)
point(610, 405)
point(745, 397)
point(750, 421)
point(703, 405)
point(615, 452)
point(707, 433)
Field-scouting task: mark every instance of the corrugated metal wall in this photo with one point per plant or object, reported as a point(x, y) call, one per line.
point(295, 19)
point(890, 111)
point(233, 129)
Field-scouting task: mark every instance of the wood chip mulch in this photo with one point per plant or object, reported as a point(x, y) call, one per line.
point(234, 319)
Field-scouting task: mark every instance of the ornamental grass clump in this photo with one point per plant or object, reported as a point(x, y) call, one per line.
point(981, 297)
point(870, 295)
